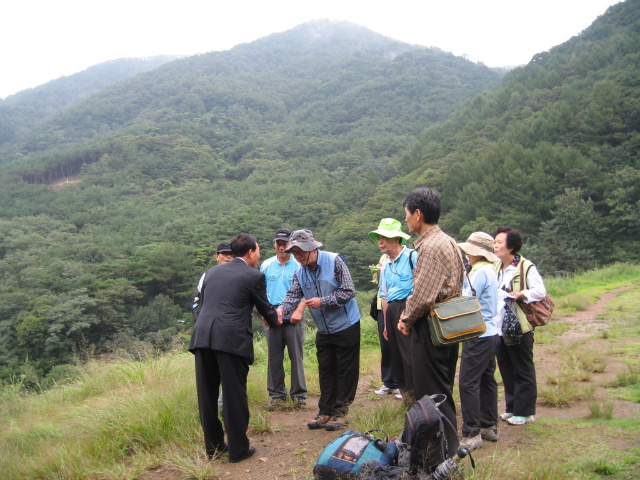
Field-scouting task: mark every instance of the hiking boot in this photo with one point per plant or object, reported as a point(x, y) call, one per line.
point(275, 404)
point(319, 421)
point(384, 390)
point(506, 416)
point(517, 420)
point(299, 401)
point(471, 443)
point(489, 434)
point(336, 423)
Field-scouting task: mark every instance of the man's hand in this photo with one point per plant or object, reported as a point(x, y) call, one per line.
point(314, 303)
point(298, 315)
point(279, 312)
point(403, 328)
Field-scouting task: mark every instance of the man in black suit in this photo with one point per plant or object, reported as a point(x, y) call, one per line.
point(222, 343)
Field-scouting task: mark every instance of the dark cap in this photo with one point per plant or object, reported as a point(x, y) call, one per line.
point(282, 234)
point(224, 247)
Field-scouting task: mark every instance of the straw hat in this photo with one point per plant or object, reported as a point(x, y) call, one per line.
point(481, 245)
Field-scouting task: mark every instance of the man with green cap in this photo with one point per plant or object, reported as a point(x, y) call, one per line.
point(395, 285)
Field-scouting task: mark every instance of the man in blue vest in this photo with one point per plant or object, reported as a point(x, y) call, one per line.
point(278, 271)
point(324, 283)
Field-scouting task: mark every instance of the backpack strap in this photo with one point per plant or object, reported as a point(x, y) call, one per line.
point(449, 430)
point(410, 255)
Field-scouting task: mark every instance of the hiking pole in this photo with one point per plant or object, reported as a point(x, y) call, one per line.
point(446, 469)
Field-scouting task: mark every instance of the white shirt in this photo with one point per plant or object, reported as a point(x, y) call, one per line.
point(535, 291)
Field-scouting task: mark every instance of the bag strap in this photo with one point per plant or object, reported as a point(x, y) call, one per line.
point(450, 432)
point(459, 250)
point(392, 461)
point(411, 259)
point(523, 274)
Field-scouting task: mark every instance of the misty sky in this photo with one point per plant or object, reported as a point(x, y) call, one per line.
point(41, 40)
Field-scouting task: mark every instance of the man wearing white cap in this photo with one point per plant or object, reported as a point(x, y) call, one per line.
point(478, 387)
point(324, 282)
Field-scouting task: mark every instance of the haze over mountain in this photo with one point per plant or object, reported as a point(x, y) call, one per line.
point(327, 127)
point(21, 112)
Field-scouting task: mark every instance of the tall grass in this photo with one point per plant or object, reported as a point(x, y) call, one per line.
point(612, 276)
point(140, 410)
point(119, 419)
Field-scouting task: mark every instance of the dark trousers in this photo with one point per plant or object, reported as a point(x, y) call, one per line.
point(386, 367)
point(478, 387)
point(519, 376)
point(213, 367)
point(338, 369)
point(400, 346)
point(434, 370)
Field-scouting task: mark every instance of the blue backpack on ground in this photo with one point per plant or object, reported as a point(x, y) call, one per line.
point(343, 457)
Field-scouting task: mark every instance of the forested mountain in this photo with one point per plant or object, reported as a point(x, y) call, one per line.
point(22, 112)
point(326, 127)
point(555, 150)
point(295, 129)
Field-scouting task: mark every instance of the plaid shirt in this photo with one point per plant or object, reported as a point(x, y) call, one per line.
point(437, 276)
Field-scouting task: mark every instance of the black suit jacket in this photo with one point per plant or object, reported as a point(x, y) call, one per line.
point(229, 293)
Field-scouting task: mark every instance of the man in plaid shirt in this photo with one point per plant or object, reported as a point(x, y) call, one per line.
point(437, 276)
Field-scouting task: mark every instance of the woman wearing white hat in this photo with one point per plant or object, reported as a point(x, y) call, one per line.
point(478, 387)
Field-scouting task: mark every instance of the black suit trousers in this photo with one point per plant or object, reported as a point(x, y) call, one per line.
point(213, 367)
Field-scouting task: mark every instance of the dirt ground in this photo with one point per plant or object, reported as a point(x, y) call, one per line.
point(291, 451)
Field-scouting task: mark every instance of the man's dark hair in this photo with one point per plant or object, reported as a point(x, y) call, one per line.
point(514, 238)
point(425, 200)
point(242, 243)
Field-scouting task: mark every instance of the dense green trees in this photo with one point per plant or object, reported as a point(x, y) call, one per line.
point(326, 132)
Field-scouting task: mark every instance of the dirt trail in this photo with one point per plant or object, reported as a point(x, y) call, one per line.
point(291, 451)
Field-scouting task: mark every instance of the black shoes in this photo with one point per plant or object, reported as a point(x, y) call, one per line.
point(220, 449)
point(249, 453)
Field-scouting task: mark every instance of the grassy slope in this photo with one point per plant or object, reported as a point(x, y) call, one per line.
point(125, 416)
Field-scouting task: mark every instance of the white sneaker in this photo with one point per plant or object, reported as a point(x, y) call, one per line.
point(384, 390)
point(506, 416)
point(516, 420)
point(398, 396)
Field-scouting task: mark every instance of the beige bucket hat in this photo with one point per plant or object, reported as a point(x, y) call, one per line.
point(480, 244)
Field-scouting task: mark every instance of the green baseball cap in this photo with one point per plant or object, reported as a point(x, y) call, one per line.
point(389, 228)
